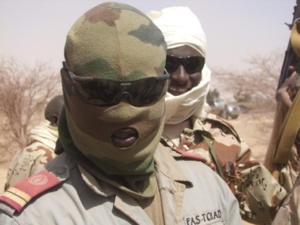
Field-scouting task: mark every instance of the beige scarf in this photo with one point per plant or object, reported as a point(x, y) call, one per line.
point(192, 103)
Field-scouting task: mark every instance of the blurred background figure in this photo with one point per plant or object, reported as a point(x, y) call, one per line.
point(40, 149)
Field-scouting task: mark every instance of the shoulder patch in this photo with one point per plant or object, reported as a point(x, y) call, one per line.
point(197, 157)
point(22, 192)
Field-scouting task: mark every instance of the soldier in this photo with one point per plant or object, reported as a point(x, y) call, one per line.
point(112, 169)
point(192, 132)
point(289, 138)
point(40, 150)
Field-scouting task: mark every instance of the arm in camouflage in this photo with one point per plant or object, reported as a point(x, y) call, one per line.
point(27, 162)
point(36, 155)
point(290, 60)
point(258, 193)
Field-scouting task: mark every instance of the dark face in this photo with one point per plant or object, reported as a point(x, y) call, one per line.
point(180, 81)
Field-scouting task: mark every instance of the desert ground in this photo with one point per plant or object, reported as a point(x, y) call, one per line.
point(254, 128)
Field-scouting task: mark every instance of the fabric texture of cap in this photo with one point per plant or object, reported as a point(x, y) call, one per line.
point(103, 44)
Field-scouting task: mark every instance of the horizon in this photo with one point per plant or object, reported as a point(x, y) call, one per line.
point(34, 31)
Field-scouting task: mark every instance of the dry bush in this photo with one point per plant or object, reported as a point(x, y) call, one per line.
point(259, 80)
point(24, 93)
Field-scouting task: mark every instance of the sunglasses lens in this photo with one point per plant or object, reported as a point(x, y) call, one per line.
point(172, 63)
point(101, 92)
point(98, 92)
point(191, 64)
point(194, 64)
point(147, 91)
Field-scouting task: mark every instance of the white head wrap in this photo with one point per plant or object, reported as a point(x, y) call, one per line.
point(180, 26)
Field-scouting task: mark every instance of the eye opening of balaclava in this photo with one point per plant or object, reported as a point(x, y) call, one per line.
point(117, 42)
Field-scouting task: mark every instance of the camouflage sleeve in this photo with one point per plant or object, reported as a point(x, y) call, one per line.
point(258, 192)
point(289, 212)
point(27, 162)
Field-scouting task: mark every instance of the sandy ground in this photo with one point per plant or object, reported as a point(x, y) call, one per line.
point(249, 127)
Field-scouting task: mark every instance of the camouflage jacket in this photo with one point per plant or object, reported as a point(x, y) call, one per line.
point(216, 143)
point(289, 212)
point(35, 156)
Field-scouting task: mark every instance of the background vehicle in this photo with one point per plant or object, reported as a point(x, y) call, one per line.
point(221, 108)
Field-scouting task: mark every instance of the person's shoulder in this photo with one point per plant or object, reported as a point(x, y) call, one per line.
point(24, 192)
point(221, 123)
point(190, 167)
point(206, 178)
point(33, 151)
point(224, 134)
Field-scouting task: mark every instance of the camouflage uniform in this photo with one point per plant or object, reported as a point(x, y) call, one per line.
point(40, 150)
point(215, 142)
point(95, 180)
point(35, 156)
point(289, 212)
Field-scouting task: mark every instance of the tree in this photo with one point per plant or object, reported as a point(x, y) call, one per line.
point(259, 80)
point(24, 93)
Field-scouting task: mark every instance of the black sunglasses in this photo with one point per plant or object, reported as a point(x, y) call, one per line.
point(191, 64)
point(101, 92)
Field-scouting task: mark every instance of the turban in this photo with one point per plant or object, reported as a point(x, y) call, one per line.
point(180, 27)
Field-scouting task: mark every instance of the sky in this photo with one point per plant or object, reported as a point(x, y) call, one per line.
point(34, 31)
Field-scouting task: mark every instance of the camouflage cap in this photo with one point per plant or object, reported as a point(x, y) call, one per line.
point(115, 41)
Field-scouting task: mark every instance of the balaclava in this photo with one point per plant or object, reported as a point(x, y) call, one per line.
point(117, 42)
point(180, 26)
